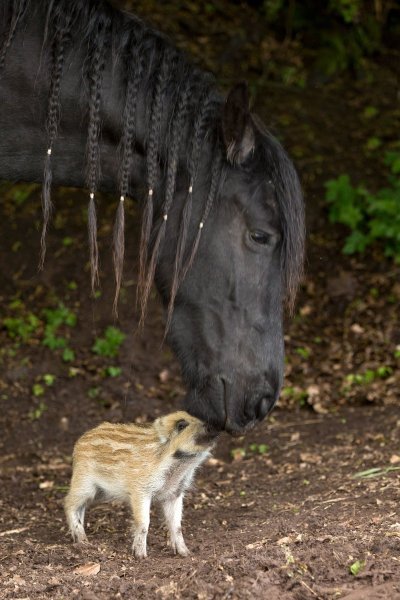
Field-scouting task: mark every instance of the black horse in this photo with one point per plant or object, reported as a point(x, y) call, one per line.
point(92, 97)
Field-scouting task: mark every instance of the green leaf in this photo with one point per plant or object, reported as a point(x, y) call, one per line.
point(373, 143)
point(113, 371)
point(238, 453)
point(37, 390)
point(37, 412)
point(68, 355)
point(370, 112)
point(49, 379)
point(109, 344)
point(356, 567)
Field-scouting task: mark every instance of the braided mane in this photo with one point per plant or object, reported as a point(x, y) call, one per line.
point(179, 95)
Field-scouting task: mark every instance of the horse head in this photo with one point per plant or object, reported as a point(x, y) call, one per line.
point(227, 322)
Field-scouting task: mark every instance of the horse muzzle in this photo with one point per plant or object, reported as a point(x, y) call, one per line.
point(234, 408)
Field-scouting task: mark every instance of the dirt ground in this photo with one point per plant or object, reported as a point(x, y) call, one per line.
point(306, 506)
point(280, 514)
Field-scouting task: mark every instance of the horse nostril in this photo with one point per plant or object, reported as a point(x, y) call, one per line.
point(265, 406)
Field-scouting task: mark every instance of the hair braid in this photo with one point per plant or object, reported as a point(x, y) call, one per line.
point(177, 136)
point(135, 70)
point(61, 38)
point(153, 147)
point(17, 12)
point(207, 104)
point(95, 75)
point(216, 172)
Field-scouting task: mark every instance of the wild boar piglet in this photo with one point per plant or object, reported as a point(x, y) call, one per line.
point(138, 464)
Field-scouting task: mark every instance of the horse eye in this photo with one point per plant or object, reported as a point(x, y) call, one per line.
point(181, 425)
point(260, 237)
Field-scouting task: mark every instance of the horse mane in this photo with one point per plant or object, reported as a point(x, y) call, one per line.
point(180, 95)
point(272, 162)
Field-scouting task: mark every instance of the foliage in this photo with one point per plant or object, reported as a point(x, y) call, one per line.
point(56, 318)
point(343, 32)
point(295, 394)
point(25, 327)
point(369, 375)
point(371, 217)
point(356, 567)
point(37, 412)
point(238, 454)
point(375, 472)
point(21, 328)
point(110, 343)
point(259, 448)
point(112, 371)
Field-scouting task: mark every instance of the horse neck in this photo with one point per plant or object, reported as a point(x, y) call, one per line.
point(24, 98)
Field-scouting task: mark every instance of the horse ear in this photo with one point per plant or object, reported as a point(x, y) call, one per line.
point(237, 125)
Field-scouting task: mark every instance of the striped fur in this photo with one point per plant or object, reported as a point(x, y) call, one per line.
point(138, 464)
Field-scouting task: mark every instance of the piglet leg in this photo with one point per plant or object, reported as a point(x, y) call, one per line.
point(141, 519)
point(173, 517)
point(81, 493)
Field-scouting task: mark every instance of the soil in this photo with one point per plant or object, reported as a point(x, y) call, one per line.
point(306, 505)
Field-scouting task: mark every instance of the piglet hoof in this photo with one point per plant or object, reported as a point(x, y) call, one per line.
point(82, 541)
point(180, 549)
point(139, 552)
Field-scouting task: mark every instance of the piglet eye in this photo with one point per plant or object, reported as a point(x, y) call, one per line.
point(260, 237)
point(181, 425)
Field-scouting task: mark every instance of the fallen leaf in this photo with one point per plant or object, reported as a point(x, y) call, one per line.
point(88, 569)
point(307, 457)
point(284, 541)
point(313, 390)
point(18, 580)
point(394, 459)
point(319, 408)
point(164, 376)
point(306, 310)
point(46, 485)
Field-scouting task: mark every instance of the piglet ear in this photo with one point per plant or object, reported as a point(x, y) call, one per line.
point(237, 125)
point(159, 426)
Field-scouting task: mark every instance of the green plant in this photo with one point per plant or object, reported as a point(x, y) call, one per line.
point(22, 328)
point(112, 371)
point(342, 33)
point(375, 472)
point(49, 379)
point(356, 567)
point(109, 344)
point(37, 412)
point(303, 352)
point(368, 376)
point(93, 392)
point(259, 448)
point(370, 217)
point(296, 394)
point(37, 390)
point(55, 318)
point(22, 192)
point(238, 453)
point(68, 355)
